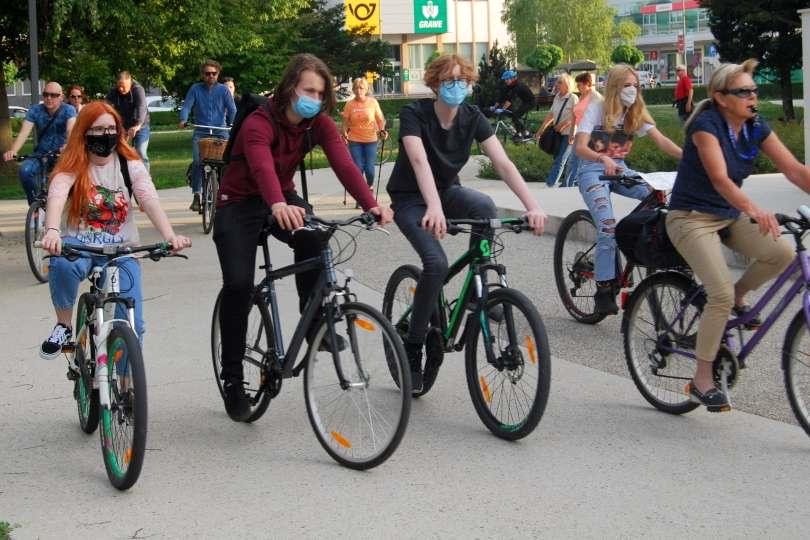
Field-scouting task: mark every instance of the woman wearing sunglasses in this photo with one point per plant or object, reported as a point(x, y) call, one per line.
point(436, 136)
point(76, 97)
point(708, 209)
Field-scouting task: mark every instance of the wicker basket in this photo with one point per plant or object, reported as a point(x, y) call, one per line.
point(212, 148)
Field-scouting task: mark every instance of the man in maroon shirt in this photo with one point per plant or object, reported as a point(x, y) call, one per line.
point(683, 93)
point(259, 181)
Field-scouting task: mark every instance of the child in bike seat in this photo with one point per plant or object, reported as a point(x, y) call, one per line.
point(258, 182)
point(708, 209)
point(90, 187)
point(435, 138)
point(604, 138)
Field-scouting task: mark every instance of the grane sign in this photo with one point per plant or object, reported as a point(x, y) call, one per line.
point(430, 16)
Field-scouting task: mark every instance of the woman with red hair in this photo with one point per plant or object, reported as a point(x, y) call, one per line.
point(88, 187)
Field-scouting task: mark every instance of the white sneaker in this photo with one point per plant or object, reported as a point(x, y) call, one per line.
point(52, 346)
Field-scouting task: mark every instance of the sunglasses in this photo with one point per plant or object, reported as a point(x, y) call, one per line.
point(51, 95)
point(75, 96)
point(741, 92)
point(210, 73)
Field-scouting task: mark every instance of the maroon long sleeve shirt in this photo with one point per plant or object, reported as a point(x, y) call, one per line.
point(266, 154)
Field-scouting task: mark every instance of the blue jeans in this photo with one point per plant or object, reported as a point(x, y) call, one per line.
point(31, 177)
point(596, 194)
point(141, 143)
point(571, 170)
point(65, 276)
point(560, 159)
point(196, 162)
point(364, 156)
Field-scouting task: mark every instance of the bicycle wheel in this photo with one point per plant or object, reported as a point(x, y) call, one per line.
point(258, 342)
point(796, 365)
point(396, 307)
point(84, 360)
point(658, 318)
point(209, 202)
point(359, 423)
point(34, 230)
point(123, 424)
point(574, 263)
point(509, 388)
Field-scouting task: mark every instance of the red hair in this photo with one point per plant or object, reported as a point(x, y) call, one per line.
point(75, 159)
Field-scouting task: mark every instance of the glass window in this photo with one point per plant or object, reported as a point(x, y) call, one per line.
point(481, 49)
point(419, 53)
point(465, 50)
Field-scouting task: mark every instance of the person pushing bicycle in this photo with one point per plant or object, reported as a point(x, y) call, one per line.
point(90, 186)
point(436, 135)
point(259, 182)
point(708, 209)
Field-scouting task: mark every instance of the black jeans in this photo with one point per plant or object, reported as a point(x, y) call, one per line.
point(518, 115)
point(237, 232)
point(457, 202)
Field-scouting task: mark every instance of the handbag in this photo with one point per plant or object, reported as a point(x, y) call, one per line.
point(642, 238)
point(550, 140)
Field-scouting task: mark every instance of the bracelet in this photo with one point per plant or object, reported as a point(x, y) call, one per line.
point(53, 229)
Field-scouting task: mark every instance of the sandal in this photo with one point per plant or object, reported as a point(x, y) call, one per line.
point(741, 311)
point(714, 400)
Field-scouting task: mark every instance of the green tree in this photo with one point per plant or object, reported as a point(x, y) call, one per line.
point(626, 54)
point(544, 58)
point(490, 68)
point(625, 32)
point(744, 29)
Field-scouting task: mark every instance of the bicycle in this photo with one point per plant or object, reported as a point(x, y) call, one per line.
point(507, 356)
point(211, 152)
point(575, 252)
point(359, 416)
point(506, 131)
point(35, 218)
point(660, 329)
point(105, 362)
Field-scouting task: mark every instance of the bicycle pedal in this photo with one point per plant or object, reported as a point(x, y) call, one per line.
point(73, 374)
point(69, 348)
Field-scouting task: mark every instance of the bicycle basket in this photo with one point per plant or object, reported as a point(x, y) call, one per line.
point(212, 148)
point(642, 237)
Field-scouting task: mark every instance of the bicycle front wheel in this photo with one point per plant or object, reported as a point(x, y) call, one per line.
point(659, 320)
point(84, 359)
point(574, 265)
point(34, 230)
point(123, 424)
point(209, 202)
point(509, 370)
point(258, 342)
point(796, 365)
point(358, 411)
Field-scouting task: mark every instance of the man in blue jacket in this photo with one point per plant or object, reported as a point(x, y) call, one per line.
point(212, 105)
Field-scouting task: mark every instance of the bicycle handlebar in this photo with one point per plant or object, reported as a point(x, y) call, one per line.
point(455, 226)
point(625, 180)
point(226, 128)
point(51, 153)
point(113, 251)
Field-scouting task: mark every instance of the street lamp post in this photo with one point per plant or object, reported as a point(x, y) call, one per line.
point(33, 40)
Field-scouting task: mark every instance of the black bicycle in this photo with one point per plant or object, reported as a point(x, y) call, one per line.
point(357, 412)
point(212, 149)
point(508, 360)
point(35, 218)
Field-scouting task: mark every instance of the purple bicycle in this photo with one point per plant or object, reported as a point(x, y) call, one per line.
point(660, 329)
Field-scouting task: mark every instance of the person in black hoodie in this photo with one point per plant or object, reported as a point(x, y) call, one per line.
point(129, 99)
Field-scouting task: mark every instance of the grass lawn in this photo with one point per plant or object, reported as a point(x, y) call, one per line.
point(170, 151)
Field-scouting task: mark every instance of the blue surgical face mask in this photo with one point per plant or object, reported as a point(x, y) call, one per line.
point(306, 107)
point(453, 96)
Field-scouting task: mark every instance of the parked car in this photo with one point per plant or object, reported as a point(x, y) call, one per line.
point(162, 103)
point(16, 112)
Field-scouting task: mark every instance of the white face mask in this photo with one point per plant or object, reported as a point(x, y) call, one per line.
point(628, 95)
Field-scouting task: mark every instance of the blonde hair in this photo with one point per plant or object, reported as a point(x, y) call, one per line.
point(358, 82)
point(636, 115)
point(442, 68)
point(569, 82)
point(722, 77)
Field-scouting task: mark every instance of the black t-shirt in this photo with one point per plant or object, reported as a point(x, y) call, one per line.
point(131, 106)
point(447, 149)
point(519, 94)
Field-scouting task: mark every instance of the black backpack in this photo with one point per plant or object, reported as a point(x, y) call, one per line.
point(247, 104)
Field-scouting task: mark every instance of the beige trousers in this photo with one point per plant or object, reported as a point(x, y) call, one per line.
point(695, 235)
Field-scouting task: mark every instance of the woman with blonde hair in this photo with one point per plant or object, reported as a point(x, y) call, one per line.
point(363, 123)
point(562, 117)
point(708, 209)
point(436, 136)
point(88, 185)
point(604, 138)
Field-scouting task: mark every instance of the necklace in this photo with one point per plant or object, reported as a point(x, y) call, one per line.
point(750, 151)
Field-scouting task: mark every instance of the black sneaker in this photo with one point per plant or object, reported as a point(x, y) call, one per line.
point(739, 311)
point(606, 300)
point(195, 203)
point(714, 399)
point(414, 352)
point(52, 346)
point(326, 343)
point(237, 402)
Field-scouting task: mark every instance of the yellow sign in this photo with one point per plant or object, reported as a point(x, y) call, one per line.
point(363, 12)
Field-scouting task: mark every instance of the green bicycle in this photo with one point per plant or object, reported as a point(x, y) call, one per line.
point(507, 356)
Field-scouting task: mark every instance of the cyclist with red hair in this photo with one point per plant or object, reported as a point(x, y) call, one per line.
point(88, 186)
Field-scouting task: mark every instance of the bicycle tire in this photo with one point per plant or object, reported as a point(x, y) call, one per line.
point(84, 355)
point(796, 355)
point(34, 230)
point(397, 300)
point(209, 203)
point(574, 265)
point(362, 423)
point(656, 373)
point(509, 377)
point(124, 423)
point(258, 341)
